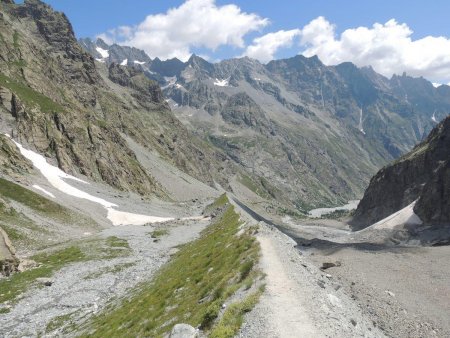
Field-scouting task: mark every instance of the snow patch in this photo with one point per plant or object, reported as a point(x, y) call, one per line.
point(221, 83)
point(139, 62)
point(126, 218)
point(435, 85)
point(361, 129)
point(170, 81)
point(103, 52)
point(433, 118)
point(35, 186)
point(100, 60)
point(124, 62)
point(401, 217)
point(55, 177)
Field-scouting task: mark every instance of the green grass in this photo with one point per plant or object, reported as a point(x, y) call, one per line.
point(11, 287)
point(159, 233)
point(220, 202)
point(4, 310)
point(256, 188)
point(116, 242)
point(191, 288)
point(232, 319)
point(16, 39)
point(13, 191)
point(29, 96)
point(57, 322)
point(110, 248)
point(114, 269)
point(19, 63)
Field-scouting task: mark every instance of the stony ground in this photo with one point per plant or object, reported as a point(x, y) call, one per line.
point(404, 290)
point(81, 289)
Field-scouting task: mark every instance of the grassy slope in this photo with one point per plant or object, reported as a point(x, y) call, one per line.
point(192, 287)
point(18, 226)
point(29, 96)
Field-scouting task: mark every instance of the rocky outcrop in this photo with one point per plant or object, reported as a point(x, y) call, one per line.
point(11, 161)
point(8, 260)
point(241, 110)
point(422, 175)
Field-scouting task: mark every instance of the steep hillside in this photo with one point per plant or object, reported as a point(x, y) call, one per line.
point(56, 99)
point(305, 133)
point(421, 175)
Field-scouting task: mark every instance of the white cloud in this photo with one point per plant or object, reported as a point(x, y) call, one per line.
point(196, 23)
point(389, 48)
point(264, 48)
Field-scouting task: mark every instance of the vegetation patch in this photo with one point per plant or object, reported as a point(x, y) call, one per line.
point(114, 269)
point(191, 288)
point(16, 39)
point(18, 283)
point(15, 192)
point(232, 319)
point(257, 187)
point(29, 96)
point(338, 214)
point(159, 233)
point(11, 287)
point(57, 322)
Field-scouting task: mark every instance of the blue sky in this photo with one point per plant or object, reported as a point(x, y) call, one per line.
point(308, 27)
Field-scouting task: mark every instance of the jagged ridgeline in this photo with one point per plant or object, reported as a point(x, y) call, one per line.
point(54, 98)
point(303, 133)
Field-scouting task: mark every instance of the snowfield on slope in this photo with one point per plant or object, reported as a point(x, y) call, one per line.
point(55, 177)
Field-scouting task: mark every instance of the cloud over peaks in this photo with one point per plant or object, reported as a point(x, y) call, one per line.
point(389, 48)
point(195, 23)
point(264, 47)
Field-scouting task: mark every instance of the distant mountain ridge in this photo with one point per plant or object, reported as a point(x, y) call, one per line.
point(308, 134)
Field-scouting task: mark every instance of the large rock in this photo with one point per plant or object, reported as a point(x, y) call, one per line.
point(184, 331)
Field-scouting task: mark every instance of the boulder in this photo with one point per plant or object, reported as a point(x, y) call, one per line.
point(184, 331)
point(45, 281)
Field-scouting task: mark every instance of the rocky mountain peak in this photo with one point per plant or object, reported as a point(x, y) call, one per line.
point(420, 175)
point(101, 43)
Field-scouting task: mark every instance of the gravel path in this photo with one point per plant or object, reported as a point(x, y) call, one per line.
point(301, 300)
point(73, 293)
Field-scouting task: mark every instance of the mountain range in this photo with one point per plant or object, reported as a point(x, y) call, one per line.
point(292, 134)
point(304, 133)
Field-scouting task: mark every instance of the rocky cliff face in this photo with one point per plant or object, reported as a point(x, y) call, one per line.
point(56, 99)
point(422, 175)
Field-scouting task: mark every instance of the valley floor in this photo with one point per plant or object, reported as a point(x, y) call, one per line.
point(396, 292)
point(373, 291)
